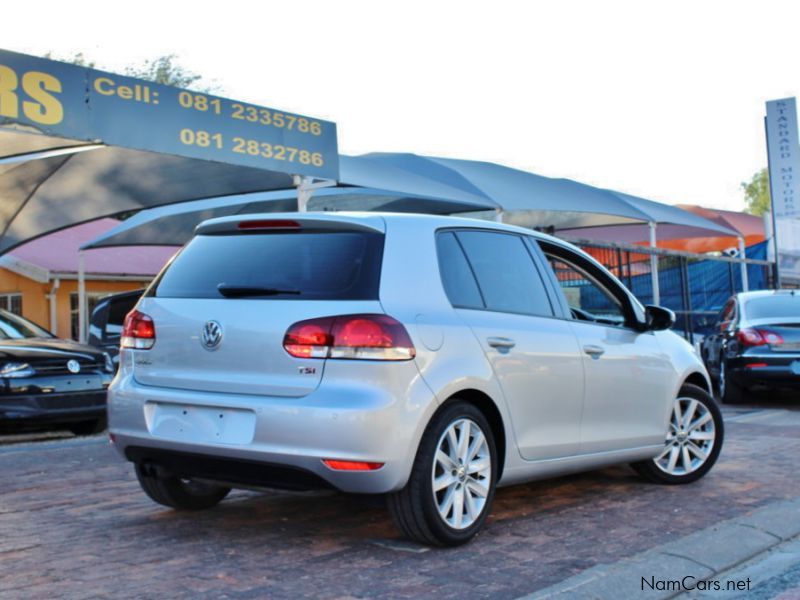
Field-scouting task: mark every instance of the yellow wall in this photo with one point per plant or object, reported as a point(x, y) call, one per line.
point(36, 307)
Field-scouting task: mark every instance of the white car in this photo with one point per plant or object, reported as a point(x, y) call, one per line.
point(427, 358)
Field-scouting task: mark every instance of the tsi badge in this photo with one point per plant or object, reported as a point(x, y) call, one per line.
point(73, 366)
point(211, 336)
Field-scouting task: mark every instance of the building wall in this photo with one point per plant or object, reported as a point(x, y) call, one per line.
point(36, 307)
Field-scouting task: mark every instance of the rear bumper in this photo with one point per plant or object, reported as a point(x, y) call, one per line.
point(378, 415)
point(36, 409)
point(765, 370)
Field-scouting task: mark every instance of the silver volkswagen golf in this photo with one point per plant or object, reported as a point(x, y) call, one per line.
point(430, 359)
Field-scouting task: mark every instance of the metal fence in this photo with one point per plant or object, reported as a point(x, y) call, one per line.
point(694, 286)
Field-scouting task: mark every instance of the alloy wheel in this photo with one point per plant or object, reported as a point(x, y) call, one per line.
point(690, 438)
point(461, 474)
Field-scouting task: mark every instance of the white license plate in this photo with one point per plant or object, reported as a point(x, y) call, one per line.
point(200, 424)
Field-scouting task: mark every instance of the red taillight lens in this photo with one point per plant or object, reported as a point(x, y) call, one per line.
point(351, 465)
point(771, 338)
point(138, 332)
point(309, 339)
point(365, 337)
point(750, 337)
point(758, 337)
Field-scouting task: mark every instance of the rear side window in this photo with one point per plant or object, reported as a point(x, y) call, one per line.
point(507, 276)
point(457, 279)
point(288, 266)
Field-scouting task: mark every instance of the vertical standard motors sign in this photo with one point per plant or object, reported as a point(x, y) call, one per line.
point(73, 102)
point(784, 181)
point(784, 157)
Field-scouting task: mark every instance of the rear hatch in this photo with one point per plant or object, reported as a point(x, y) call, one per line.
point(222, 308)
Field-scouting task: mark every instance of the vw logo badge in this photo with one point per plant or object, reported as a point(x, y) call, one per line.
point(73, 366)
point(212, 335)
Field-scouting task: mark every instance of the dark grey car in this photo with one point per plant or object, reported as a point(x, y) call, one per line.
point(756, 344)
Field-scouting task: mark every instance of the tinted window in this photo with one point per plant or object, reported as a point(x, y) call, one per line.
point(118, 308)
point(289, 266)
point(588, 300)
point(457, 279)
point(506, 274)
point(773, 307)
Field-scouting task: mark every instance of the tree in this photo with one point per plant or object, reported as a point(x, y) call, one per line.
point(76, 59)
point(756, 193)
point(164, 70)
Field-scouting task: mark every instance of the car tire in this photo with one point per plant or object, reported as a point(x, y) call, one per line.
point(177, 493)
point(689, 438)
point(729, 392)
point(453, 514)
point(92, 427)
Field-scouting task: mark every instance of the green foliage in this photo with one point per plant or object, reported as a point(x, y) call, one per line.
point(164, 70)
point(756, 193)
point(76, 59)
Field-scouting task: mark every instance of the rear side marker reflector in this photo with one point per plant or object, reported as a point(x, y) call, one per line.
point(351, 465)
point(356, 337)
point(755, 365)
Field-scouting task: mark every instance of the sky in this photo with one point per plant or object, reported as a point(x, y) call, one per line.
point(662, 100)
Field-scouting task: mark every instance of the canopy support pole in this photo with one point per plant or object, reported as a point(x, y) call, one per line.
point(81, 297)
point(305, 188)
point(743, 265)
point(52, 300)
point(654, 264)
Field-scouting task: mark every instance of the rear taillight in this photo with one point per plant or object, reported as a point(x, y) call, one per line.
point(364, 337)
point(138, 332)
point(772, 338)
point(758, 337)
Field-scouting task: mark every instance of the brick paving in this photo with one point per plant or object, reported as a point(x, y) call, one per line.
point(74, 524)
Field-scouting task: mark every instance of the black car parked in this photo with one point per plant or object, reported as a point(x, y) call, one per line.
point(756, 344)
point(108, 316)
point(47, 381)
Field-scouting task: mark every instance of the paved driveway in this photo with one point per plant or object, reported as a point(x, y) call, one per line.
point(73, 523)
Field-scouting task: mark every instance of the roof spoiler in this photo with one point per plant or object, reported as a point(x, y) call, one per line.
point(276, 222)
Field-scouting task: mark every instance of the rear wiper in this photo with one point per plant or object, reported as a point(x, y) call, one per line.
point(243, 291)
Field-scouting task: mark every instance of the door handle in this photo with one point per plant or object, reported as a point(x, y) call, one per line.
point(501, 342)
point(594, 351)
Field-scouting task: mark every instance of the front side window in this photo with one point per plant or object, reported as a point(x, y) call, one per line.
point(588, 299)
point(506, 274)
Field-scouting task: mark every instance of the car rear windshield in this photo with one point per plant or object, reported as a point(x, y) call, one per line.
point(774, 307)
point(288, 266)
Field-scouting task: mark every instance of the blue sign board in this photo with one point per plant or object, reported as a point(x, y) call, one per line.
point(78, 103)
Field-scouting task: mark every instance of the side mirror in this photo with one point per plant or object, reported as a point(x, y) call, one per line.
point(658, 317)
